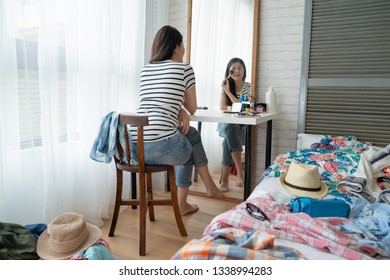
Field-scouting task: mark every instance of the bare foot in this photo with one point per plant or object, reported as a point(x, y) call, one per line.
point(240, 182)
point(224, 188)
point(215, 193)
point(188, 208)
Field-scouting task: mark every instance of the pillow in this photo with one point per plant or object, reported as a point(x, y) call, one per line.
point(304, 140)
point(345, 142)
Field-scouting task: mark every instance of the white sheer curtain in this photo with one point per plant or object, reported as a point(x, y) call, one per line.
point(221, 30)
point(64, 64)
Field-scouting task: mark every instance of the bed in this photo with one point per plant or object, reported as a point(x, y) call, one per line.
point(354, 171)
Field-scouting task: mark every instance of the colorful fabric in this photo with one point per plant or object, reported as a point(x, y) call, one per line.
point(235, 244)
point(334, 164)
point(101, 250)
point(321, 233)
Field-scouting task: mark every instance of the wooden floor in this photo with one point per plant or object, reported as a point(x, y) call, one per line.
point(163, 238)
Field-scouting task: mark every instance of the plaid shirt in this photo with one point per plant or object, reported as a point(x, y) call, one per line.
point(236, 244)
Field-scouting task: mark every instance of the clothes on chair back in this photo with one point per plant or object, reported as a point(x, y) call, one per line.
point(104, 148)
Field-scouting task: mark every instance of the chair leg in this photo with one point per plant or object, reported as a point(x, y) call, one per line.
point(150, 196)
point(168, 185)
point(142, 215)
point(118, 200)
point(134, 188)
point(175, 203)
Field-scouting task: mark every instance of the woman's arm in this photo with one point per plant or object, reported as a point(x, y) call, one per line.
point(222, 102)
point(190, 102)
point(232, 98)
point(184, 121)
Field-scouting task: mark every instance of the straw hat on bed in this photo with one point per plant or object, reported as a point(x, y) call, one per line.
point(65, 236)
point(303, 180)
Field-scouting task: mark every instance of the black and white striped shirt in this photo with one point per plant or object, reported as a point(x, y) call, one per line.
point(162, 88)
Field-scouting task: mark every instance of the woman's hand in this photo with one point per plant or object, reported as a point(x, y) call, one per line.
point(184, 121)
point(225, 85)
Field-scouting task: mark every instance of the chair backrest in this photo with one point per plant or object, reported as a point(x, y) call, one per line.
point(123, 142)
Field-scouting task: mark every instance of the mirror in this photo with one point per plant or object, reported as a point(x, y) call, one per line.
point(217, 31)
point(223, 29)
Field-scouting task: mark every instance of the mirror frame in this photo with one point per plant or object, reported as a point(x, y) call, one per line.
point(255, 39)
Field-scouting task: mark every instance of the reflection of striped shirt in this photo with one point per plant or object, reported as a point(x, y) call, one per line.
point(162, 88)
point(245, 92)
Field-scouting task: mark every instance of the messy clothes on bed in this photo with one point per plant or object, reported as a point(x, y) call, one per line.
point(348, 167)
point(236, 244)
point(336, 158)
point(350, 239)
point(352, 170)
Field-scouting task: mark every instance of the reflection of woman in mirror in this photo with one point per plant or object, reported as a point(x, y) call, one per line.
point(234, 89)
point(167, 95)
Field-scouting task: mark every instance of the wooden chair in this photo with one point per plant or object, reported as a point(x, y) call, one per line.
point(145, 199)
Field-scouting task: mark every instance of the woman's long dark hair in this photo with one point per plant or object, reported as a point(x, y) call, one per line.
point(164, 43)
point(232, 85)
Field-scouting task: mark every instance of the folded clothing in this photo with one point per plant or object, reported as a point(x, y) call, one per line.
point(352, 184)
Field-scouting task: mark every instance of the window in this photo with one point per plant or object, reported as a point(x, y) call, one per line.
point(28, 79)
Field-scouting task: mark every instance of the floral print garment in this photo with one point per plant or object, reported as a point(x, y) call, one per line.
point(336, 157)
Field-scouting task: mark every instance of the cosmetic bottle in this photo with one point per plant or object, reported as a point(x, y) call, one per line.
point(270, 100)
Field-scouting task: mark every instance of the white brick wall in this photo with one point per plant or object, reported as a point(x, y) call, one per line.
point(279, 65)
